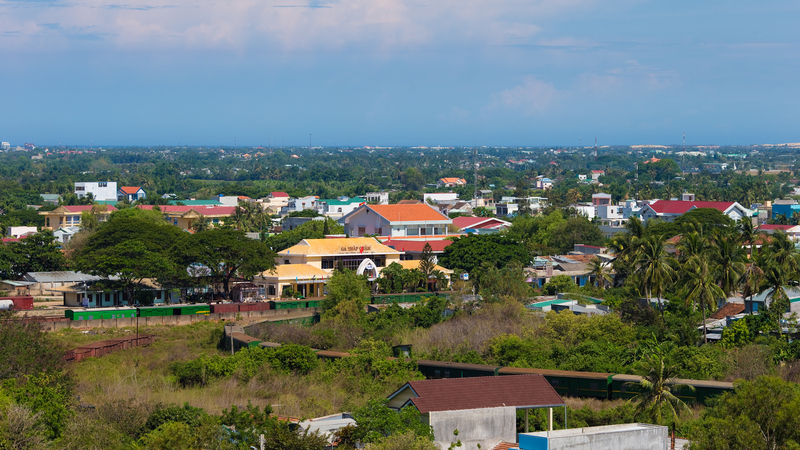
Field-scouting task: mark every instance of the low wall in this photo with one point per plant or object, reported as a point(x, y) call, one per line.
point(268, 315)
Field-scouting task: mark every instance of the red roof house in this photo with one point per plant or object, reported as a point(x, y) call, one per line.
point(396, 221)
point(668, 210)
point(485, 223)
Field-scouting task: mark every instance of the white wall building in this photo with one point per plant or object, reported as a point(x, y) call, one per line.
point(395, 221)
point(16, 232)
point(5, 146)
point(100, 190)
point(377, 198)
point(440, 197)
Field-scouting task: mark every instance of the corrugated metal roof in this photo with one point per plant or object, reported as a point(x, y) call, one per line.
point(60, 277)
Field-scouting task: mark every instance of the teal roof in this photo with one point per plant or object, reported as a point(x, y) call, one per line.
point(195, 202)
point(344, 202)
point(49, 196)
point(107, 202)
point(548, 303)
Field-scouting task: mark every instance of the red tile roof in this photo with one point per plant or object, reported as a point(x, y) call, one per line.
point(730, 309)
point(775, 227)
point(416, 246)
point(279, 194)
point(408, 213)
point(451, 394)
point(478, 222)
point(130, 189)
point(81, 208)
point(207, 210)
point(680, 207)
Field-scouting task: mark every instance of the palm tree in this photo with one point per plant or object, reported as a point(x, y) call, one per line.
point(202, 223)
point(692, 245)
point(751, 281)
point(700, 287)
point(599, 270)
point(727, 263)
point(654, 267)
point(657, 389)
point(747, 234)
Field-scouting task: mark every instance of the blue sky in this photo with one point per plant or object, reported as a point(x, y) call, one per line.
point(397, 72)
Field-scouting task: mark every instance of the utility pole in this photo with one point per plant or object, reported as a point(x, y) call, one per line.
point(475, 164)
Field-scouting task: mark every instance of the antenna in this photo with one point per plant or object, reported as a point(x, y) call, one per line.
point(595, 149)
point(475, 164)
point(683, 156)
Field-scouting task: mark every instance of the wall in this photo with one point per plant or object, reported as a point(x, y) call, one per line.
point(475, 426)
point(628, 437)
point(274, 314)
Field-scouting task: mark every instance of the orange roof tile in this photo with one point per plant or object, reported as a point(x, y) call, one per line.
point(730, 309)
point(130, 189)
point(408, 213)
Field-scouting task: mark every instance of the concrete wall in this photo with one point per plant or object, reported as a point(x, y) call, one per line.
point(475, 426)
point(272, 314)
point(612, 437)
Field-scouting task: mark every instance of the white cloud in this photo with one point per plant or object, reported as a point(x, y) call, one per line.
point(379, 25)
point(531, 97)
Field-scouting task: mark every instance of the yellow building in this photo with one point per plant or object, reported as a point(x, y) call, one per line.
point(365, 256)
point(70, 216)
point(303, 278)
point(184, 216)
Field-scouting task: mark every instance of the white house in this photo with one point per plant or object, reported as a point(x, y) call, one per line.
point(669, 210)
point(378, 198)
point(439, 197)
point(131, 193)
point(104, 191)
point(340, 207)
point(596, 174)
point(299, 204)
point(17, 232)
point(395, 221)
point(450, 182)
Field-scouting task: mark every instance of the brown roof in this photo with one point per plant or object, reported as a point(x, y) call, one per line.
point(408, 213)
point(730, 309)
point(449, 394)
point(409, 202)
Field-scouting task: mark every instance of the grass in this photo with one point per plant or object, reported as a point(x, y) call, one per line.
point(142, 375)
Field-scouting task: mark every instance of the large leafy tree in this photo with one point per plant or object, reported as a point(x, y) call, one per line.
point(226, 253)
point(470, 252)
point(36, 253)
point(764, 413)
point(131, 246)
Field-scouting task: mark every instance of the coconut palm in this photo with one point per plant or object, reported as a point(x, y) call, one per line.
point(599, 270)
point(747, 234)
point(657, 390)
point(700, 287)
point(202, 223)
point(692, 245)
point(727, 259)
point(654, 267)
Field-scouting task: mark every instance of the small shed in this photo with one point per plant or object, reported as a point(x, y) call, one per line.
point(482, 409)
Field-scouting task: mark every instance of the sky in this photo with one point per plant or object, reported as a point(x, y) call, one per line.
point(399, 72)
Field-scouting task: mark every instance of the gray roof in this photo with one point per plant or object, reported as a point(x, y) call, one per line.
point(66, 276)
point(17, 283)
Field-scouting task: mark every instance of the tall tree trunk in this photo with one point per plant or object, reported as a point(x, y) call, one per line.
point(705, 330)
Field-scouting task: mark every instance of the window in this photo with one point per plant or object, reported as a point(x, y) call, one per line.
point(447, 374)
point(327, 264)
point(412, 231)
point(158, 295)
point(102, 184)
point(379, 232)
point(286, 261)
point(554, 382)
point(423, 231)
point(80, 188)
point(340, 209)
point(362, 231)
point(594, 386)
